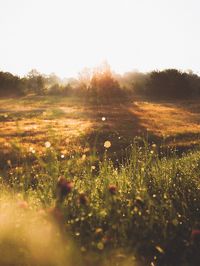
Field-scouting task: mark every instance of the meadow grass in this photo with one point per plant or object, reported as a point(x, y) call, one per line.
point(144, 210)
point(138, 206)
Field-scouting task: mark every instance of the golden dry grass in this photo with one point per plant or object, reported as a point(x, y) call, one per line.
point(31, 121)
point(179, 120)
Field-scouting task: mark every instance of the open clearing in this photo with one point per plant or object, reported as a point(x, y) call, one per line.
point(143, 211)
point(31, 121)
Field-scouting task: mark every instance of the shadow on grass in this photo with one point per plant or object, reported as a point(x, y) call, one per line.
point(119, 124)
point(115, 123)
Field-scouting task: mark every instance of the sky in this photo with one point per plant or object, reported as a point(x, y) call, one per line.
point(64, 36)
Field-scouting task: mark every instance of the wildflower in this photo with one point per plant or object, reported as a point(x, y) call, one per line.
point(22, 204)
point(47, 144)
point(106, 240)
point(64, 187)
point(107, 144)
point(112, 189)
point(83, 198)
point(195, 236)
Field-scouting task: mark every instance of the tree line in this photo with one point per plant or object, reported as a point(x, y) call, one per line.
point(102, 83)
point(169, 83)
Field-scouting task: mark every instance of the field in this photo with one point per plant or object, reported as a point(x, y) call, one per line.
point(31, 121)
point(128, 191)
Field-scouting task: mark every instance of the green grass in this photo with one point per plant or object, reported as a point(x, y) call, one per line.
point(144, 209)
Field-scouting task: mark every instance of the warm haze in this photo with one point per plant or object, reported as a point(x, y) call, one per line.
point(64, 36)
point(99, 132)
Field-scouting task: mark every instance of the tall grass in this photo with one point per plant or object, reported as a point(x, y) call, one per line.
point(147, 208)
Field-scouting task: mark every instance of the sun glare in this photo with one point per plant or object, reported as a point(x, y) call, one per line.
point(66, 36)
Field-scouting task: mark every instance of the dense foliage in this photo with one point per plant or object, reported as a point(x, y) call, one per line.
point(10, 84)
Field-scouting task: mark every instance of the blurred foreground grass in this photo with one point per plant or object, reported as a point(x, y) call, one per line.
point(144, 211)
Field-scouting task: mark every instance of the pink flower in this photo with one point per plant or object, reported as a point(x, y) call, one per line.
point(195, 236)
point(64, 187)
point(107, 240)
point(83, 198)
point(22, 204)
point(112, 189)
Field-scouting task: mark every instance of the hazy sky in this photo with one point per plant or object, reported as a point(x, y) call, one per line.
point(63, 36)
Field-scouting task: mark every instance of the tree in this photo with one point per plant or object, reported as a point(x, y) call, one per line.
point(103, 84)
point(10, 84)
point(36, 82)
point(168, 83)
